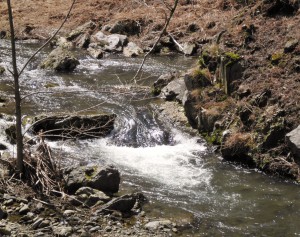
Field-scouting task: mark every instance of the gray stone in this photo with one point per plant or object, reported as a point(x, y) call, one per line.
point(155, 225)
point(132, 50)
point(124, 203)
point(85, 28)
point(83, 41)
point(293, 141)
point(69, 212)
point(24, 210)
point(189, 49)
point(62, 231)
point(174, 90)
point(116, 42)
point(290, 45)
point(106, 179)
point(60, 60)
point(91, 196)
point(62, 42)
point(96, 53)
point(36, 224)
point(162, 81)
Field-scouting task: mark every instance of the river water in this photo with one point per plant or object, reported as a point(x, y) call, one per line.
point(182, 178)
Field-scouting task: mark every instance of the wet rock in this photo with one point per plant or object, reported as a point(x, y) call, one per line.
point(69, 127)
point(106, 179)
point(162, 81)
point(90, 196)
point(37, 223)
point(155, 225)
point(83, 41)
point(2, 34)
point(290, 45)
point(293, 141)
point(174, 90)
point(62, 42)
point(95, 51)
point(116, 43)
point(132, 50)
point(124, 203)
point(60, 60)
point(2, 147)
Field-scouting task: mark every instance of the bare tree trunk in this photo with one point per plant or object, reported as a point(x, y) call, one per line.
point(19, 139)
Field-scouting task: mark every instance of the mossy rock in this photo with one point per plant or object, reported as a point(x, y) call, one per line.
point(60, 60)
point(276, 58)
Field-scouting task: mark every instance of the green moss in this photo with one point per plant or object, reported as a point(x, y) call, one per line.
point(276, 58)
point(214, 138)
point(155, 90)
point(233, 56)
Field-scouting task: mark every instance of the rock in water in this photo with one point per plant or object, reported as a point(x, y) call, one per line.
point(69, 127)
point(61, 60)
point(105, 179)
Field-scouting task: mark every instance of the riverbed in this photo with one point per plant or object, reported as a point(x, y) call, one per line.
point(183, 179)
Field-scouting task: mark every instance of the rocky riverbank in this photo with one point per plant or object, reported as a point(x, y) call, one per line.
point(242, 95)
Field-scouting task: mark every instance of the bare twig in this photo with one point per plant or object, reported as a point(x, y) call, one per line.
point(156, 42)
point(51, 38)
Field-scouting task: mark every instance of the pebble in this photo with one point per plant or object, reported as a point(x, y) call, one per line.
point(24, 210)
point(36, 224)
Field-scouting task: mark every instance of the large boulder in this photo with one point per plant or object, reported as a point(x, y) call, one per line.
point(162, 81)
point(110, 43)
point(69, 127)
point(174, 90)
point(61, 60)
point(105, 179)
point(293, 141)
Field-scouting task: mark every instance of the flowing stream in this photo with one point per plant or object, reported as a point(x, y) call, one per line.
point(183, 179)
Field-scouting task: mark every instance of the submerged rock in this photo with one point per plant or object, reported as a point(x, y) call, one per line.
point(69, 127)
point(105, 179)
point(60, 60)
